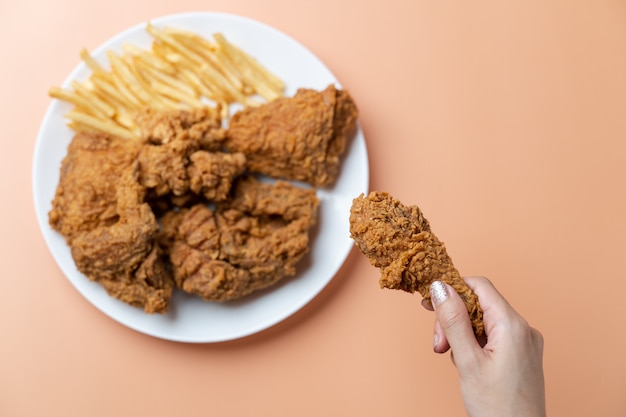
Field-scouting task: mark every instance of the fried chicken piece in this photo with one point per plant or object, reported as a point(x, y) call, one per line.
point(86, 195)
point(211, 174)
point(203, 125)
point(398, 240)
point(171, 137)
point(124, 257)
point(99, 208)
point(298, 138)
point(249, 243)
point(150, 288)
point(112, 251)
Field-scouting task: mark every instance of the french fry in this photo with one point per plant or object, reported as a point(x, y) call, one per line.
point(100, 125)
point(149, 59)
point(108, 91)
point(69, 96)
point(172, 42)
point(246, 61)
point(170, 92)
point(89, 94)
point(90, 62)
point(209, 53)
point(194, 80)
point(180, 70)
point(123, 118)
point(173, 82)
point(157, 101)
point(122, 69)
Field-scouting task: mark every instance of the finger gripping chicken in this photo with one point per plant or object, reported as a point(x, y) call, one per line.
point(398, 240)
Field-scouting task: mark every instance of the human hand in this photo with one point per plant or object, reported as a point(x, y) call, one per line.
point(500, 374)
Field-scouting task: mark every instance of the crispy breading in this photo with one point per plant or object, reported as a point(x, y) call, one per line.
point(86, 195)
point(170, 138)
point(398, 240)
point(249, 243)
point(211, 174)
point(202, 125)
point(99, 208)
point(298, 138)
point(222, 236)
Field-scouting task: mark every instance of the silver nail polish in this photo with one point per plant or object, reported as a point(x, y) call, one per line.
point(438, 293)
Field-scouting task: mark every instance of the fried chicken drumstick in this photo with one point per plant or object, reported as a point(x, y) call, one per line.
point(398, 240)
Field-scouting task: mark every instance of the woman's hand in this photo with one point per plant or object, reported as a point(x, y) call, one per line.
point(500, 374)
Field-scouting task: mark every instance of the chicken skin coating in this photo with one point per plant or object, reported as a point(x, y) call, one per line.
point(298, 138)
point(170, 138)
point(248, 243)
point(99, 209)
point(398, 240)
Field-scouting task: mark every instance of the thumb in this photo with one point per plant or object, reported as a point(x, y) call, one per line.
point(453, 318)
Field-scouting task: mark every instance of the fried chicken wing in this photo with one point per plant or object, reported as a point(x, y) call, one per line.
point(298, 138)
point(99, 208)
point(250, 242)
point(398, 240)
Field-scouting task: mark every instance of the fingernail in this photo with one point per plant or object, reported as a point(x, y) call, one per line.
point(438, 293)
point(435, 341)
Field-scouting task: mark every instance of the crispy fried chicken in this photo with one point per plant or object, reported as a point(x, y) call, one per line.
point(86, 195)
point(297, 138)
point(250, 242)
point(211, 174)
point(99, 208)
point(111, 191)
point(179, 155)
point(398, 240)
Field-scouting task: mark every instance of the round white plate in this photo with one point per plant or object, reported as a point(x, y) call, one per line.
point(190, 319)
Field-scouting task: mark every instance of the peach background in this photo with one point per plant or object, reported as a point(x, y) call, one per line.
point(504, 121)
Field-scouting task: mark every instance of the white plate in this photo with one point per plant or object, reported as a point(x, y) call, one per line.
point(190, 319)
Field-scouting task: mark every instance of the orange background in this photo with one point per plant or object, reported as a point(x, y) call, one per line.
point(504, 121)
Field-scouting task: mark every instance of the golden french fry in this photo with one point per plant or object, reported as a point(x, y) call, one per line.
point(91, 95)
point(170, 81)
point(207, 52)
point(157, 101)
point(181, 70)
point(122, 80)
point(168, 91)
point(149, 58)
point(193, 79)
point(122, 69)
point(100, 125)
point(90, 62)
point(130, 101)
point(253, 82)
point(107, 90)
point(174, 44)
point(124, 119)
point(248, 62)
point(69, 96)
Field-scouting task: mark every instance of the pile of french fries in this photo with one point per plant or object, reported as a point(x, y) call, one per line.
point(181, 70)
